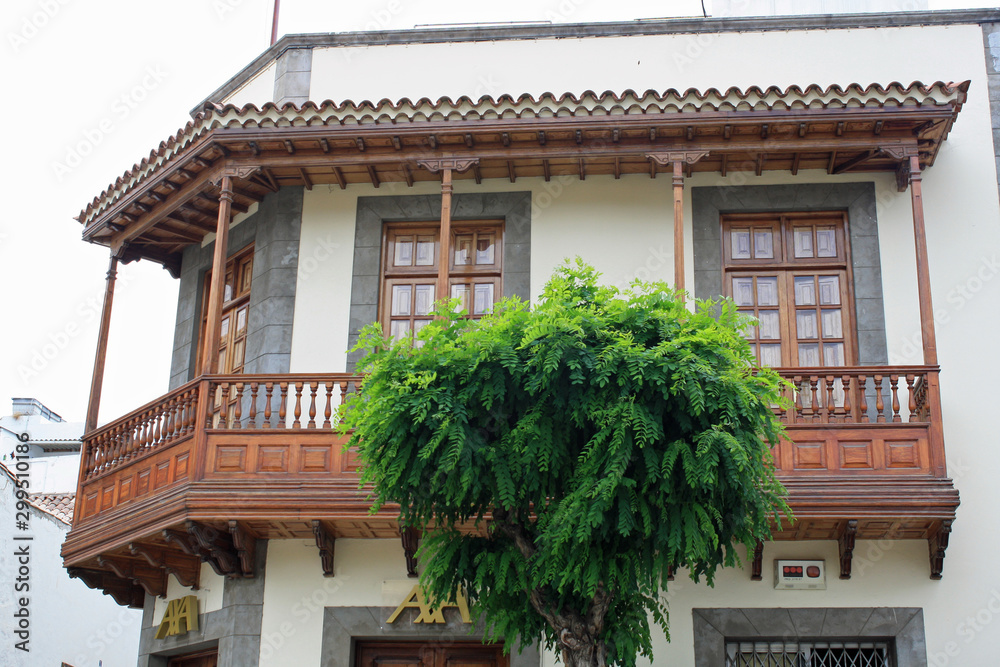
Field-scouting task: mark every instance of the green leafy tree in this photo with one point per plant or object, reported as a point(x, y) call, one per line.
point(563, 459)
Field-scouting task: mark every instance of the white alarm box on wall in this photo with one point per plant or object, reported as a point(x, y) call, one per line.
point(800, 575)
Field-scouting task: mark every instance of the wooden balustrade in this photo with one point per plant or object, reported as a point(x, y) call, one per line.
point(258, 402)
point(147, 429)
point(857, 395)
point(234, 402)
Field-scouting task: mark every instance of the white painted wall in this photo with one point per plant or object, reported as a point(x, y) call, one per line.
point(614, 224)
point(69, 622)
point(258, 90)
point(209, 593)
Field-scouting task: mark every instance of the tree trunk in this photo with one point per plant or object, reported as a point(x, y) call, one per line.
point(582, 651)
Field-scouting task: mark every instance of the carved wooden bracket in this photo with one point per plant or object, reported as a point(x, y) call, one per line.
point(757, 565)
point(669, 157)
point(233, 171)
point(455, 164)
point(208, 544)
point(245, 545)
point(900, 151)
point(410, 538)
point(123, 591)
point(846, 544)
point(670, 573)
point(153, 580)
point(326, 542)
point(937, 544)
point(186, 570)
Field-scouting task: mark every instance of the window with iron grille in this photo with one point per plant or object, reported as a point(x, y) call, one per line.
point(808, 654)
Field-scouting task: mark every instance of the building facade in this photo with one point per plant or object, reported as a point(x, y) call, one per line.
point(835, 175)
point(54, 619)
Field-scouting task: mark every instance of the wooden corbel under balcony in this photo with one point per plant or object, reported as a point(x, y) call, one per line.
point(326, 542)
point(410, 538)
point(123, 591)
point(186, 570)
point(845, 544)
point(153, 580)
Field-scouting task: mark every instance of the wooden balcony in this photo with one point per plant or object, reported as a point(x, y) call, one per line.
point(182, 480)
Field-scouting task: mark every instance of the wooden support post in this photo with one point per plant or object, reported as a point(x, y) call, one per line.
point(446, 166)
point(679, 160)
point(210, 344)
point(445, 235)
point(97, 381)
point(923, 273)
point(679, 225)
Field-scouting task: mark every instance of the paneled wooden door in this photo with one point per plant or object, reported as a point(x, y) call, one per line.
point(201, 659)
point(430, 654)
point(233, 326)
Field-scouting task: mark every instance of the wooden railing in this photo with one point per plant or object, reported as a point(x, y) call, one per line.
point(154, 425)
point(244, 402)
point(858, 395)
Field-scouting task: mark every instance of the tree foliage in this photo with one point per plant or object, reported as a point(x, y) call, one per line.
point(596, 441)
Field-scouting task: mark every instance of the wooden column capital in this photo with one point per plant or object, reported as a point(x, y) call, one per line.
point(232, 171)
point(435, 165)
point(669, 157)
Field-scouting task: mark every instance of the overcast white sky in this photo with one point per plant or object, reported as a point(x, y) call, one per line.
point(111, 79)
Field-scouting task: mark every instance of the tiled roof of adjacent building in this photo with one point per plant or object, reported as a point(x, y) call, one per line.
point(59, 505)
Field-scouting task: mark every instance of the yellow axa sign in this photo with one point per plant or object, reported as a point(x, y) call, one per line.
point(417, 600)
point(180, 617)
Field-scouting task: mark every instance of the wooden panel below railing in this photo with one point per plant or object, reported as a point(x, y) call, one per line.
point(140, 479)
point(306, 453)
point(854, 450)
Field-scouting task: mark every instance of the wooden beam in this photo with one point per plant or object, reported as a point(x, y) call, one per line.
point(796, 157)
point(855, 161)
point(305, 179)
point(373, 175)
point(339, 175)
point(210, 343)
point(510, 171)
point(546, 170)
point(97, 379)
point(176, 201)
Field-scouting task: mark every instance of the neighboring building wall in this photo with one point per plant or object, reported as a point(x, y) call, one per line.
point(991, 44)
point(291, 80)
point(274, 231)
point(70, 623)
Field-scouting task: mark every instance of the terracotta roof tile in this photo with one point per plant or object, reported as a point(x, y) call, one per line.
point(386, 112)
point(59, 505)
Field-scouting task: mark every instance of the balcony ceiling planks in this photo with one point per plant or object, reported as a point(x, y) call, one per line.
point(835, 129)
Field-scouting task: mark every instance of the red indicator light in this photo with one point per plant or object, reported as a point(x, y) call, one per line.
point(812, 571)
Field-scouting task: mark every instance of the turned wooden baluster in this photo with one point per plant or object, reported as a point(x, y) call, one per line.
point(238, 408)
point(167, 421)
point(192, 411)
point(343, 392)
point(268, 389)
point(283, 408)
point(879, 403)
point(845, 384)
point(893, 383)
point(863, 398)
point(313, 388)
point(223, 405)
point(830, 413)
point(298, 405)
point(252, 423)
point(329, 405)
point(157, 433)
point(911, 396)
point(797, 414)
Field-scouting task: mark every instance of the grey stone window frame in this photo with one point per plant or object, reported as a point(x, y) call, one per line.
point(709, 203)
point(514, 208)
point(902, 627)
point(343, 627)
